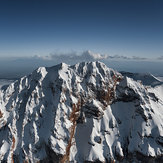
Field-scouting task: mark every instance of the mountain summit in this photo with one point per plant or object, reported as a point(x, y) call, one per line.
point(81, 113)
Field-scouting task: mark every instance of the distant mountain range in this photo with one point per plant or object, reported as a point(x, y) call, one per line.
point(81, 113)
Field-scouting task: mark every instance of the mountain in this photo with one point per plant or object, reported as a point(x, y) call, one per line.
point(81, 113)
point(146, 78)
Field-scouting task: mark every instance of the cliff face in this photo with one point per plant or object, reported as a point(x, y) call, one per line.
point(81, 113)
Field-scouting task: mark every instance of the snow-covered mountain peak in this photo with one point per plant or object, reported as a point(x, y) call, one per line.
point(81, 113)
point(146, 78)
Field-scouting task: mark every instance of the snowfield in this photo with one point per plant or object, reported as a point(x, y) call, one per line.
point(82, 113)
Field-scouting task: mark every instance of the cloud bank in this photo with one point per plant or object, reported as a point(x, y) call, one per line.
point(20, 66)
point(86, 56)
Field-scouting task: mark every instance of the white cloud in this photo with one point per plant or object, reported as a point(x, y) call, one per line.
point(86, 55)
point(118, 57)
point(91, 55)
point(35, 57)
point(139, 58)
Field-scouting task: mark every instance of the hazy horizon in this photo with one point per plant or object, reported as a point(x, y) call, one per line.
point(12, 68)
point(125, 35)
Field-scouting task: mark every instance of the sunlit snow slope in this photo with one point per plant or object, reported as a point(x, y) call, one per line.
point(82, 113)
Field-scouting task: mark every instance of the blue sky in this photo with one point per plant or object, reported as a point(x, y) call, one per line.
point(113, 27)
point(122, 27)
